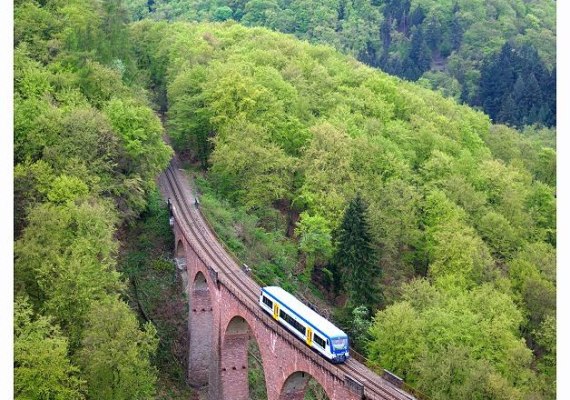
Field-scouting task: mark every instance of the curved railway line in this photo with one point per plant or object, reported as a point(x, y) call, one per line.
point(227, 272)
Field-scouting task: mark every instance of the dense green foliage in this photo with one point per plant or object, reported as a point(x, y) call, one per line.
point(87, 150)
point(65, 261)
point(115, 353)
point(287, 129)
point(461, 213)
point(256, 240)
point(474, 334)
point(517, 88)
point(355, 259)
point(42, 368)
point(447, 45)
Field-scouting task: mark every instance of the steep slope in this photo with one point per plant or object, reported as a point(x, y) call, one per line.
point(281, 124)
point(447, 45)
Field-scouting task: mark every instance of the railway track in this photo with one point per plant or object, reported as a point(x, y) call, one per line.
point(228, 272)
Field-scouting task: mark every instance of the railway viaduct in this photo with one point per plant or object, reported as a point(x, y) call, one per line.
point(224, 316)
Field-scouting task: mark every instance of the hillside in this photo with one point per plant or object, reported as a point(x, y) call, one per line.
point(302, 155)
point(289, 132)
point(87, 150)
point(453, 46)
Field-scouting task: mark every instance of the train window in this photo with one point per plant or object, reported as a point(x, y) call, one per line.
point(268, 302)
point(319, 340)
point(292, 322)
point(339, 343)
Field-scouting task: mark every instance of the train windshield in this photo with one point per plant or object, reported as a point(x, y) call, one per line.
point(339, 343)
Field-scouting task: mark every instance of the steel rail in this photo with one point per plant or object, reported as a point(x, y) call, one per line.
point(208, 246)
point(228, 278)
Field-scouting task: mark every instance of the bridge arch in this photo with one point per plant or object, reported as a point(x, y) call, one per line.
point(181, 263)
point(201, 328)
point(296, 386)
point(239, 342)
point(285, 361)
point(179, 251)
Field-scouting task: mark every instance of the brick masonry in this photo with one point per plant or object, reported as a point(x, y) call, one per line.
point(219, 329)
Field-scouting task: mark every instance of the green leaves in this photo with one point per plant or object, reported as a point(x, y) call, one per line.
point(498, 233)
point(356, 260)
point(314, 234)
point(247, 167)
point(30, 79)
point(100, 83)
point(76, 170)
point(455, 249)
point(454, 344)
point(300, 128)
point(328, 179)
point(42, 369)
point(140, 132)
point(315, 240)
point(188, 116)
point(115, 354)
point(66, 258)
point(397, 339)
point(67, 189)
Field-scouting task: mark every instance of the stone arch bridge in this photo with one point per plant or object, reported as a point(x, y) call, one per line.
point(224, 315)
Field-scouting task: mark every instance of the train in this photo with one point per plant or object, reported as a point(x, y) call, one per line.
point(317, 332)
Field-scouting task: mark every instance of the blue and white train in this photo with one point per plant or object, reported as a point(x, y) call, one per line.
point(317, 332)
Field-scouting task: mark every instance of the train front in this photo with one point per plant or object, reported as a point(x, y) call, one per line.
point(339, 349)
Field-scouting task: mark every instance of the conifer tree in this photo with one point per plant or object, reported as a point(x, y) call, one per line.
point(356, 260)
point(419, 58)
point(456, 28)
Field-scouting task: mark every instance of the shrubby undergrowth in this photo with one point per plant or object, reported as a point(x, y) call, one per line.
point(87, 148)
point(284, 125)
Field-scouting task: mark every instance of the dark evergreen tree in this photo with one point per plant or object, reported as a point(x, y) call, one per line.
point(392, 64)
point(417, 16)
point(398, 10)
point(433, 33)
point(385, 29)
point(238, 8)
point(368, 56)
point(466, 98)
point(509, 88)
point(341, 11)
point(419, 58)
point(508, 111)
point(497, 79)
point(527, 61)
point(549, 95)
point(355, 258)
point(530, 101)
point(456, 29)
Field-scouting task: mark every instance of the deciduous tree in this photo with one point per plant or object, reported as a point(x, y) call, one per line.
point(65, 260)
point(115, 353)
point(42, 369)
point(315, 240)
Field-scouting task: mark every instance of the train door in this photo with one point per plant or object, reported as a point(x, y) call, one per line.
point(309, 338)
point(276, 311)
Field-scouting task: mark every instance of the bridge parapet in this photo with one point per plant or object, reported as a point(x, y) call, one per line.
point(231, 292)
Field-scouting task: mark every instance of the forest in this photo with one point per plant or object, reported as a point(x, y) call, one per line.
point(456, 46)
point(427, 228)
point(87, 150)
point(453, 219)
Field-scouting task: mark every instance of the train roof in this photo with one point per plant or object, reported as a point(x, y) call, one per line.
point(291, 302)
